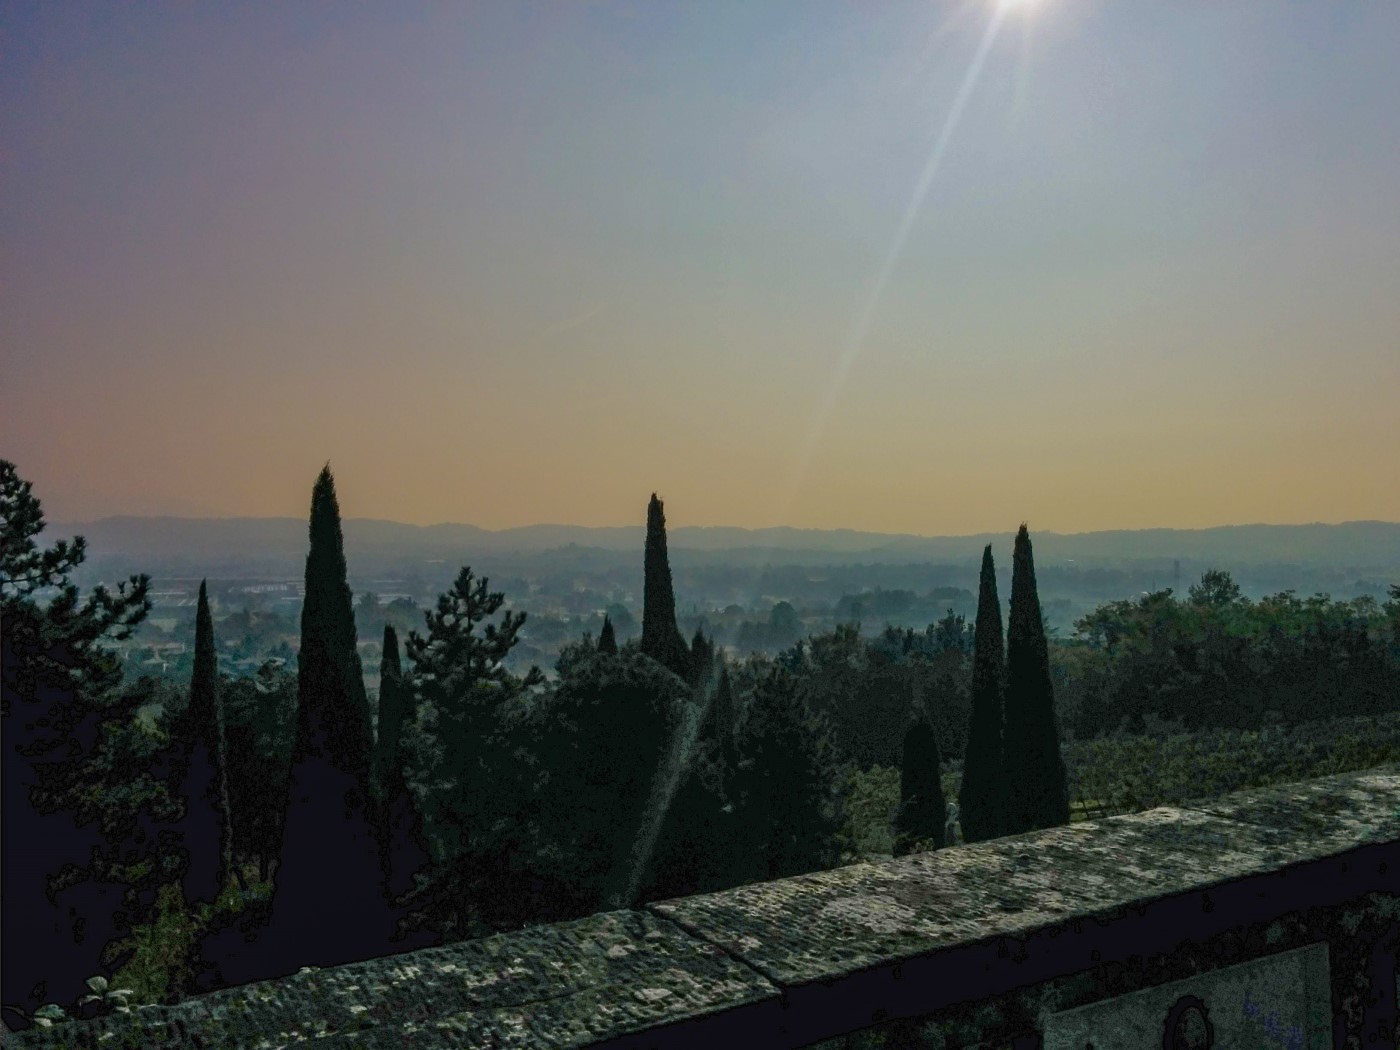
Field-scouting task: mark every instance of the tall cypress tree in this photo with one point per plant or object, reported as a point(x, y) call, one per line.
point(200, 766)
point(1037, 792)
point(395, 708)
point(661, 638)
point(607, 637)
point(403, 848)
point(327, 906)
point(982, 793)
point(702, 659)
point(722, 721)
point(922, 807)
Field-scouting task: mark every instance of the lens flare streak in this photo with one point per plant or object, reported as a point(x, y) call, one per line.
point(861, 325)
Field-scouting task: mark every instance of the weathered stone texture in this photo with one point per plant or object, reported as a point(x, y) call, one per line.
point(814, 927)
point(570, 984)
point(772, 955)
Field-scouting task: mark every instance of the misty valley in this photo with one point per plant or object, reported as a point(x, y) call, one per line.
point(215, 782)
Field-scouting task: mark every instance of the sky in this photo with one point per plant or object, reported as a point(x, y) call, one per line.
point(933, 268)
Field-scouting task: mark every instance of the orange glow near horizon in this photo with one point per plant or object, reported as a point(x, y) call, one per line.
point(505, 270)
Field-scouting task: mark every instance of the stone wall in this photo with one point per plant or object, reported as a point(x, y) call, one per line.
point(1266, 918)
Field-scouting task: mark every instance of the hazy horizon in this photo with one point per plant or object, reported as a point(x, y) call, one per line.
point(921, 268)
point(671, 527)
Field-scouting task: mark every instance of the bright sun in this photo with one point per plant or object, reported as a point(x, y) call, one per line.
point(1008, 6)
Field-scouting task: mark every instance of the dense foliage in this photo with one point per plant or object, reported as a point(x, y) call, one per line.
point(480, 799)
point(459, 758)
point(80, 811)
point(259, 729)
point(1219, 660)
point(1120, 774)
point(920, 817)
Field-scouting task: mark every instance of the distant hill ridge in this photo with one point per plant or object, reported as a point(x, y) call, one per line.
point(1361, 544)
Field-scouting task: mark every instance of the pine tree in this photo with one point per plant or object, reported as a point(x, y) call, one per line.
point(1037, 792)
point(60, 699)
point(607, 638)
point(466, 699)
point(981, 796)
point(661, 638)
point(922, 807)
point(327, 905)
point(200, 764)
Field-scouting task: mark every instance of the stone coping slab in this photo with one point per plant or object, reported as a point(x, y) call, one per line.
point(824, 925)
point(1351, 809)
point(568, 985)
point(736, 961)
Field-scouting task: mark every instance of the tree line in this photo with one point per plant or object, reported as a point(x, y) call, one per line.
point(465, 799)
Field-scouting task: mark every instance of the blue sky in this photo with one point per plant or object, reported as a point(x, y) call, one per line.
point(507, 263)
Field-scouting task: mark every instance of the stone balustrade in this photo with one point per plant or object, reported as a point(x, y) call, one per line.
point(1266, 918)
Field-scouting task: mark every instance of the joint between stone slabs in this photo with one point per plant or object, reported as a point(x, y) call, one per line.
point(771, 980)
point(1203, 806)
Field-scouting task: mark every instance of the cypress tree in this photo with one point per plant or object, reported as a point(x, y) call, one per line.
point(200, 766)
point(722, 720)
point(702, 659)
point(327, 906)
point(1037, 792)
point(394, 710)
point(607, 638)
point(661, 638)
point(922, 807)
point(981, 795)
point(403, 849)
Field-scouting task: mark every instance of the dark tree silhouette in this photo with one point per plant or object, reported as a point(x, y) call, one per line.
point(607, 638)
point(198, 762)
point(1037, 792)
point(327, 905)
point(693, 851)
point(395, 708)
point(465, 698)
point(404, 848)
point(259, 731)
point(982, 793)
point(65, 898)
point(787, 801)
point(702, 659)
point(608, 736)
point(922, 808)
point(661, 638)
point(721, 722)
